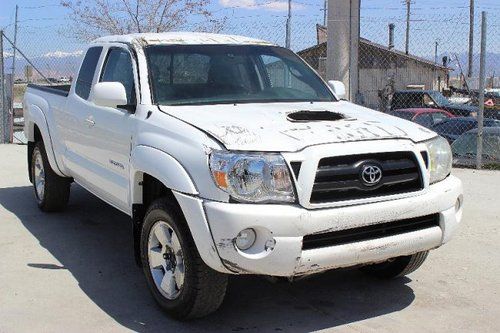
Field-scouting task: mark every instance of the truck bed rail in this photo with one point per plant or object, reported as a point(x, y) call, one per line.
point(62, 90)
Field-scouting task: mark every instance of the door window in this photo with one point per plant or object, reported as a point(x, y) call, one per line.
point(87, 70)
point(118, 68)
point(428, 101)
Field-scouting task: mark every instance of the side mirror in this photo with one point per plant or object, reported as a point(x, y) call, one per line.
point(338, 88)
point(110, 94)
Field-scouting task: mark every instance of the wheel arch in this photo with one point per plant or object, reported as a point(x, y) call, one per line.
point(155, 174)
point(37, 129)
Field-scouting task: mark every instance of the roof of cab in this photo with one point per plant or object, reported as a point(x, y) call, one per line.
point(186, 38)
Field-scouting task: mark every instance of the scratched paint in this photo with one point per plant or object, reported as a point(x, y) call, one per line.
point(240, 127)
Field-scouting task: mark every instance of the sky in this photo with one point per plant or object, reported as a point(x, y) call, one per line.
point(41, 21)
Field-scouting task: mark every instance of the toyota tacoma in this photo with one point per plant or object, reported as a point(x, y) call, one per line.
point(232, 156)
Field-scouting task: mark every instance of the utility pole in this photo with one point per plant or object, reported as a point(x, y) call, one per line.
point(482, 79)
point(3, 109)
point(407, 41)
point(325, 12)
point(343, 44)
point(288, 25)
point(471, 37)
point(11, 106)
point(15, 49)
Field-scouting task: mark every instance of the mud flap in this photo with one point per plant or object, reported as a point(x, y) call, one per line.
point(137, 220)
point(31, 147)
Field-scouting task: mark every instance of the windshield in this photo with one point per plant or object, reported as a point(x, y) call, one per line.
point(439, 98)
point(213, 74)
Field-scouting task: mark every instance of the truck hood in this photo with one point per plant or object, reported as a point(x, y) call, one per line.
point(267, 126)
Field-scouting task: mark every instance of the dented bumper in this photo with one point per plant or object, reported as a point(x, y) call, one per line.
point(287, 225)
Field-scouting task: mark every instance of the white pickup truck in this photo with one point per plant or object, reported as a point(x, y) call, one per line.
point(232, 156)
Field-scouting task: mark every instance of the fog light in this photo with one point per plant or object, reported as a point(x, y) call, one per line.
point(245, 239)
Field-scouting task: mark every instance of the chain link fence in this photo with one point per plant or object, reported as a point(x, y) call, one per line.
point(432, 84)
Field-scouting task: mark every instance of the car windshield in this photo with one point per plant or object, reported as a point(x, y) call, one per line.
point(439, 98)
point(217, 74)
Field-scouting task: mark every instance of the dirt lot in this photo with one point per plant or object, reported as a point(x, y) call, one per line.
point(74, 271)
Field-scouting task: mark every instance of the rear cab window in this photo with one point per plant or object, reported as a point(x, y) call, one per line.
point(402, 100)
point(85, 76)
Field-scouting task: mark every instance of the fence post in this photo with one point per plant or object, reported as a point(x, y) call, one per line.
point(482, 78)
point(3, 108)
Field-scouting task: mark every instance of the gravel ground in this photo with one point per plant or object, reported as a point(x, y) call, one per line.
point(74, 271)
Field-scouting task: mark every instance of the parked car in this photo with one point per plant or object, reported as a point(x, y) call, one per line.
point(405, 99)
point(452, 128)
point(422, 116)
point(232, 156)
point(465, 147)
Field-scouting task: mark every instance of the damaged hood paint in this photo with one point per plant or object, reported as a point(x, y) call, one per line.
point(266, 127)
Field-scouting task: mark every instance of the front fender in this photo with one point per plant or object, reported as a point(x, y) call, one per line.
point(165, 168)
point(161, 166)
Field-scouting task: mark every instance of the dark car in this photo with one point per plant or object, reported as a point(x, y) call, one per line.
point(433, 99)
point(465, 147)
point(452, 128)
point(422, 116)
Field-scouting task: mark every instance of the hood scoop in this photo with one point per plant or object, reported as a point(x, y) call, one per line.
point(307, 116)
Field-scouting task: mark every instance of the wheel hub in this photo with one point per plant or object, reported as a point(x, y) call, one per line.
point(166, 261)
point(39, 175)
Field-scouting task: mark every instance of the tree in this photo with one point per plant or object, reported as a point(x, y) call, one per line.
point(95, 18)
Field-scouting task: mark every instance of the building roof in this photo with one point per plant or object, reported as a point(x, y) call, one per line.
point(188, 38)
point(321, 32)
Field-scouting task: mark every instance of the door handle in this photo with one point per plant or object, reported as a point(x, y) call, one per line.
point(90, 121)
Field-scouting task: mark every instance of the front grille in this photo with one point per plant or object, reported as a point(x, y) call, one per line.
point(339, 178)
point(369, 232)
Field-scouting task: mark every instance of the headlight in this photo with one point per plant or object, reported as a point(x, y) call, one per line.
point(252, 177)
point(440, 159)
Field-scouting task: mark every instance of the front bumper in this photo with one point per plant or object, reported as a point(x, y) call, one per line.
point(288, 224)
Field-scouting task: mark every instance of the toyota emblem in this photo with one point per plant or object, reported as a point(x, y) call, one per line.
point(371, 174)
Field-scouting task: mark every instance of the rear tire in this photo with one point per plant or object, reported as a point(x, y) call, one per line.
point(51, 190)
point(396, 267)
point(181, 283)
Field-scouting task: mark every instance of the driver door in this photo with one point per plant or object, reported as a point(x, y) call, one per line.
point(112, 130)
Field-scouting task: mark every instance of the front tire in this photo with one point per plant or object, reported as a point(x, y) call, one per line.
point(51, 190)
point(397, 267)
point(181, 283)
